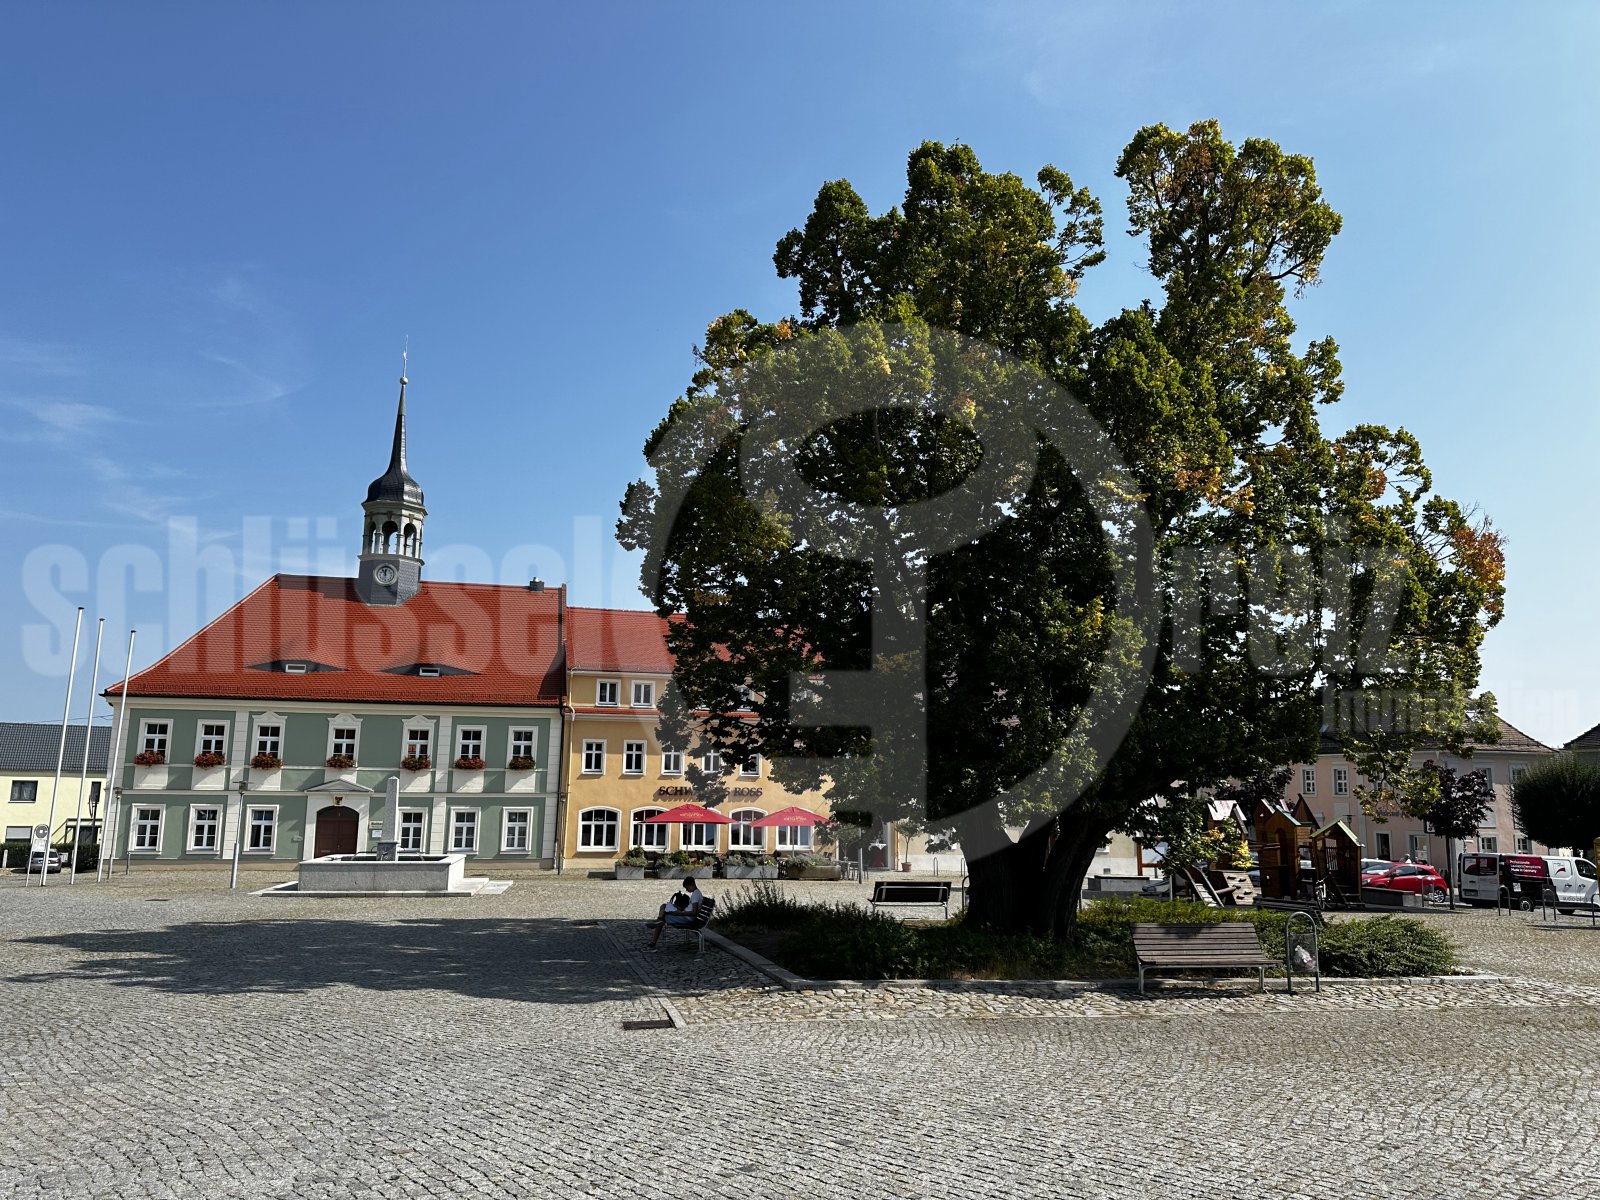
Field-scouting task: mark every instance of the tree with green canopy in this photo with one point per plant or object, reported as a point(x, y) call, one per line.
point(1557, 801)
point(1174, 581)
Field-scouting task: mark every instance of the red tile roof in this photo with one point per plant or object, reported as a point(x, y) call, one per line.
point(504, 641)
point(617, 639)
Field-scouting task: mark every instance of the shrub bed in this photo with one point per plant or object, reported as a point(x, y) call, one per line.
point(843, 940)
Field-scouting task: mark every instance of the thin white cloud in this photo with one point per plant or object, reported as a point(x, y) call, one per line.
point(41, 357)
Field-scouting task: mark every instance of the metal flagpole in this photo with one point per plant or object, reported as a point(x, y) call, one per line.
point(61, 750)
point(88, 729)
point(114, 768)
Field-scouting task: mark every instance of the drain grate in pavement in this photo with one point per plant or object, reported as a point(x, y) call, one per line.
point(157, 899)
point(662, 1023)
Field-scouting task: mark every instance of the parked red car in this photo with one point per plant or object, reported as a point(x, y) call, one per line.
point(1410, 877)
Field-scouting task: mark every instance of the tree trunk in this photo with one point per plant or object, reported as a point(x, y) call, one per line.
point(1033, 885)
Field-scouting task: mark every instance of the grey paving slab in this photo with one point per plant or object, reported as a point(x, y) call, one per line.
point(163, 1037)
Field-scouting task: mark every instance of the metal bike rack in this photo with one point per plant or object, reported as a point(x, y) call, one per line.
point(1289, 948)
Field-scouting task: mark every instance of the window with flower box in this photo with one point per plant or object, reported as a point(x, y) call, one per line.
point(469, 742)
point(269, 740)
point(342, 742)
point(522, 743)
point(419, 742)
point(213, 737)
point(155, 735)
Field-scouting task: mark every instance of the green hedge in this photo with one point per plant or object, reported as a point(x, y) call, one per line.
point(847, 941)
point(16, 856)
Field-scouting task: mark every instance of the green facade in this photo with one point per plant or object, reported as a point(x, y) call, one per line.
point(304, 786)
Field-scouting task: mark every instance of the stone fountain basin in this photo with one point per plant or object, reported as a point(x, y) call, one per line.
point(368, 873)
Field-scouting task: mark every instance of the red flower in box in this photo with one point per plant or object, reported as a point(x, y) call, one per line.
point(149, 758)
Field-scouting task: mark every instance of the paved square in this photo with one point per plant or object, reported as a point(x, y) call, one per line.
point(162, 1037)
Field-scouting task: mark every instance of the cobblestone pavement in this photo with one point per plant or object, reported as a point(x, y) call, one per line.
point(162, 1037)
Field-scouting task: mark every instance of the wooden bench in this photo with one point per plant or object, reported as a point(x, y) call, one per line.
point(696, 926)
point(906, 892)
point(1229, 945)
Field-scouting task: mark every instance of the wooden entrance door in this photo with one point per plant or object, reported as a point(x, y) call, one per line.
point(336, 831)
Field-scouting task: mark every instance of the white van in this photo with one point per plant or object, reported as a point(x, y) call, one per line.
point(1525, 876)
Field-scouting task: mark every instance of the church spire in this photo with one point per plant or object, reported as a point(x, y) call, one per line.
point(391, 541)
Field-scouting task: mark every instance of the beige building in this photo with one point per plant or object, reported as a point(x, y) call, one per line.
point(27, 781)
point(1329, 785)
point(614, 772)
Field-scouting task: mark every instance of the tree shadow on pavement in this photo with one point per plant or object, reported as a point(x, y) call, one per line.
point(540, 960)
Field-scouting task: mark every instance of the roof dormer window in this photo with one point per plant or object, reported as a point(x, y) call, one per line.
point(294, 668)
point(428, 671)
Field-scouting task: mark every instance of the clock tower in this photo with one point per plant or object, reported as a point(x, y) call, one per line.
point(391, 542)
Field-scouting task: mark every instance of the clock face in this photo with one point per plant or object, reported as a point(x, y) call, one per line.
point(386, 574)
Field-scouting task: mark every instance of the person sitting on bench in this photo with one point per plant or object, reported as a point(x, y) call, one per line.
point(682, 916)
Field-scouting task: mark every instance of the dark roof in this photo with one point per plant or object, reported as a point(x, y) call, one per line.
point(1512, 741)
point(395, 485)
point(1589, 739)
point(492, 644)
point(30, 746)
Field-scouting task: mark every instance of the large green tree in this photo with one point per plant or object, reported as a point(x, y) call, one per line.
point(1557, 802)
point(1233, 582)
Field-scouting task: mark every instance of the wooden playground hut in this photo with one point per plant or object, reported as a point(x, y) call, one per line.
point(1284, 840)
point(1336, 853)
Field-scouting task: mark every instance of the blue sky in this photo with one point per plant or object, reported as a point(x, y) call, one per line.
point(221, 221)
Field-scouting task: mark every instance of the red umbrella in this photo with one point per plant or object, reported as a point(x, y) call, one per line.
point(689, 814)
point(788, 817)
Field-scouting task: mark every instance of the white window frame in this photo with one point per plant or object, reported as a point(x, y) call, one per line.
point(150, 740)
point(144, 836)
point(607, 693)
point(532, 738)
point(506, 825)
point(1488, 774)
point(795, 837)
point(415, 746)
point(589, 827)
point(1308, 781)
point(1524, 844)
point(751, 769)
point(215, 824)
point(594, 752)
point(269, 743)
point(473, 824)
point(1518, 770)
point(464, 734)
point(1341, 781)
point(344, 721)
point(645, 688)
point(647, 837)
point(211, 743)
point(702, 838)
point(252, 826)
point(633, 755)
point(742, 835)
point(711, 762)
point(671, 761)
point(1492, 846)
point(421, 827)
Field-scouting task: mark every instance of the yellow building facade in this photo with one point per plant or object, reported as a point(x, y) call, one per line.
point(27, 783)
point(615, 772)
